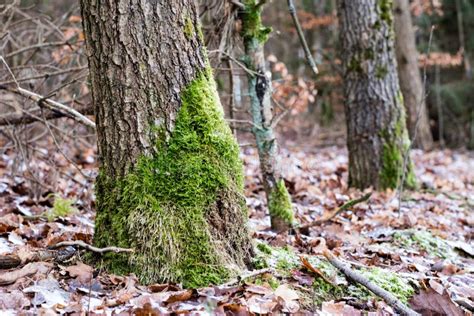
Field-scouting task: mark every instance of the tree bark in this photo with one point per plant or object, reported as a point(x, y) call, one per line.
point(260, 90)
point(410, 78)
point(170, 183)
point(377, 137)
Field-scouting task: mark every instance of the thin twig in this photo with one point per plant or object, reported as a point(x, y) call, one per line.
point(388, 297)
point(43, 101)
point(247, 276)
point(28, 117)
point(46, 75)
point(80, 243)
point(238, 63)
point(35, 46)
point(299, 30)
point(330, 216)
point(237, 3)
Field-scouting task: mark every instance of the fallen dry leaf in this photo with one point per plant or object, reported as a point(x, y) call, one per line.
point(82, 272)
point(30, 269)
point(431, 303)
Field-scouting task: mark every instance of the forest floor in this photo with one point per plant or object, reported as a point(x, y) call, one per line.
point(422, 252)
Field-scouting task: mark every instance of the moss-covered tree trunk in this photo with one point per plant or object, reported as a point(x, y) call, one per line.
point(170, 183)
point(410, 78)
point(259, 86)
point(377, 136)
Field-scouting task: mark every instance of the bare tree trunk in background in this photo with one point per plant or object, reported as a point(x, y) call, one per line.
point(170, 182)
point(410, 77)
point(377, 137)
point(259, 84)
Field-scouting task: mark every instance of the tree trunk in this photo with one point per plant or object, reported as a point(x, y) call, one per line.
point(410, 78)
point(377, 137)
point(170, 183)
point(259, 85)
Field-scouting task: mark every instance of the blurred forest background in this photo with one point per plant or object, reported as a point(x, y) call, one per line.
point(42, 42)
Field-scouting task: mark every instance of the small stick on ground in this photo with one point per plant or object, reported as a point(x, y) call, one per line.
point(342, 208)
point(388, 297)
point(81, 244)
point(247, 276)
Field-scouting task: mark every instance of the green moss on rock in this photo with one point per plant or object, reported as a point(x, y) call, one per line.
point(173, 207)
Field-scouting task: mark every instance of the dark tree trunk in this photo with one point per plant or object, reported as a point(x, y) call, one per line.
point(377, 137)
point(170, 183)
point(410, 78)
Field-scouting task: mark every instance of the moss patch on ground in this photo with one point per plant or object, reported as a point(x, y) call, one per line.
point(182, 210)
point(424, 241)
point(284, 260)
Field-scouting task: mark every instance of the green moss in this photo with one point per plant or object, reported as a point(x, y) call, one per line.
point(252, 27)
point(391, 282)
point(355, 65)
point(279, 205)
point(424, 240)
point(163, 207)
point(266, 249)
point(284, 260)
point(395, 144)
point(381, 72)
point(369, 54)
point(267, 280)
point(188, 27)
point(385, 7)
point(61, 207)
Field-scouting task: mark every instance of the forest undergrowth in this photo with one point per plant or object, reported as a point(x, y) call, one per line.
point(422, 253)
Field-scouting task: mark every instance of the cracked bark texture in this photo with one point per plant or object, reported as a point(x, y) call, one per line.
point(140, 60)
point(410, 77)
point(147, 62)
point(377, 137)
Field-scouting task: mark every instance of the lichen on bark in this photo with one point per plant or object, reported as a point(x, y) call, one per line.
point(172, 208)
point(254, 35)
point(252, 28)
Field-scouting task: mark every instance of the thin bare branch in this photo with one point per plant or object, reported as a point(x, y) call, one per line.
point(299, 30)
point(81, 244)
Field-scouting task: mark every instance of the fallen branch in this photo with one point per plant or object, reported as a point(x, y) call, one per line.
point(247, 276)
point(81, 244)
point(52, 105)
point(342, 208)
point(35, 116)
point(28, 256)
point(46, 102)
point(388, 297)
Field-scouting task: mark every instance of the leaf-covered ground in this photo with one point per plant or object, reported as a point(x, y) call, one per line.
point(422, 252)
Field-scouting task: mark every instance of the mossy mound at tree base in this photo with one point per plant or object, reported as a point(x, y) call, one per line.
point(182, 209)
